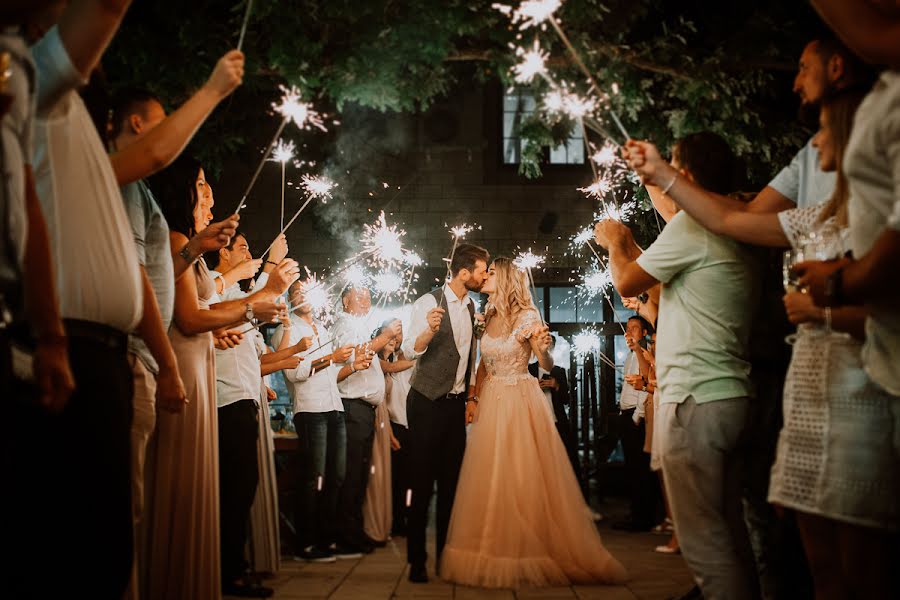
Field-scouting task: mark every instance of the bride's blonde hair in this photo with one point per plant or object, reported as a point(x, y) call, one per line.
point(512, 294)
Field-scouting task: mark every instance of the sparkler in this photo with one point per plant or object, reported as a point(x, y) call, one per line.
point(316, 187)
point(291, 108)
point(598, 190)
point(527, 261)
point(247, 12)
point(282, 153)
point(586, 342)
point(605, 156)
point(532, 63)
point(413, 260)
point(530, 13)
point(622, 212)
point(383, 241)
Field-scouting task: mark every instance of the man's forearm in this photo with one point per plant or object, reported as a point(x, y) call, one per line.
point(164, 142)
point(423, 340)
point(866, 280)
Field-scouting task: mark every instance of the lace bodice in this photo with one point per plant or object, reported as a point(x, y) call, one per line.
point(506, 355)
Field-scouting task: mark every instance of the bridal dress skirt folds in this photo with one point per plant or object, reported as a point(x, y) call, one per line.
point(519, 517)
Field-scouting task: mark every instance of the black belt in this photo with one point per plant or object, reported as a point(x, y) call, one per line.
point(458, 396)
point(360, 400)
point(96, 332)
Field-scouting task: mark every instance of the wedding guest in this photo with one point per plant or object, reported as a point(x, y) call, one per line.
point(362, 390)
point(705, 391)
point(321, 428)
point(183, 509)
point(399, 370)
point(378, 505)
point(836, 465)
point(101, 294)
point(30, 315)
point(134, 115)
point(643, 492)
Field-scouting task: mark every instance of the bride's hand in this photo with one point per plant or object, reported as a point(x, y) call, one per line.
point(471, 408)
point(541, 339)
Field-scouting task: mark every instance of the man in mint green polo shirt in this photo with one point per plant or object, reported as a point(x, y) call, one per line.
point(706, 303)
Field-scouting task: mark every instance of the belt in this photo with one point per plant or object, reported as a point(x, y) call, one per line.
point(360, 400)
point(96, 332)
point(458, 396)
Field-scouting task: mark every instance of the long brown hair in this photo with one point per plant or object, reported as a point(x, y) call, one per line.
point(512, 295)
point(839, 109)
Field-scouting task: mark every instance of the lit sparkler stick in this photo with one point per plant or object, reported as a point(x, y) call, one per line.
point(293, 109)
point(413, 260)
point(282, 153)
point(526, 261)
point(318, 190)
point(533, 63)
point(247, 12)
point(383, 241)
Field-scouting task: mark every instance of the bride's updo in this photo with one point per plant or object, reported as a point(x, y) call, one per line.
point(512, 294)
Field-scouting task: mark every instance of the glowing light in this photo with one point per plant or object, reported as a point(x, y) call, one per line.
point(583, 236)
point(568, 103)
point(283, 151)
point(383, 241)
point(528, 260)
point(317, 186)
point(531, 63)
point(530, 13)
point(585, 342)
point(316, 295)
point(412, 259)
point(387, 283)
point(622, 212)
point(596, 282)
point(598, 189)
point(460, 231)
point(301, 113)
point(356, 276)
point(605, 156)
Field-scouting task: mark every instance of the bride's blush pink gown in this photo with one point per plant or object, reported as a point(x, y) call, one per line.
point(519, 517)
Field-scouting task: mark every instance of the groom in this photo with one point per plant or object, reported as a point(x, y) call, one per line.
point(441, 337)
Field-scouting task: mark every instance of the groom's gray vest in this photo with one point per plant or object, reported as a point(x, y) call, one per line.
point(435, 371)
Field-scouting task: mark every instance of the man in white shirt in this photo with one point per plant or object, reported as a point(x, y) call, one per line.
point(361, 391)
point(643, 489)
point(322, 431)
point(438, 405)
point(101, 299)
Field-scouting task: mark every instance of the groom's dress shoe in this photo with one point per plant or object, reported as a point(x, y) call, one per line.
point(417, 573)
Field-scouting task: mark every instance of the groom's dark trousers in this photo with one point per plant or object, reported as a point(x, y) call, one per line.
point(437, 441)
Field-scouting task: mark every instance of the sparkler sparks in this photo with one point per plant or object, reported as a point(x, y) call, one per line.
point(316, 295)
point(583, 237)
point(598, 189)
point(532, 63)
point(460, 231)
point(528, 260)
point(585, 342)
point(383, 241)
point(622, 212)
point(294, 109)
point(530, 13)
point(412, 259)
point(387, 283)
point(283, 152)
point(562, 101)
point(596, 283)
point(317, 186)
point(606, 156)
point(356, 276)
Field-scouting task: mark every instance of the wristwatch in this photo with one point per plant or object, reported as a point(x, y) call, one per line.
point(834, 287)
point(248, 314)
point(185, 253)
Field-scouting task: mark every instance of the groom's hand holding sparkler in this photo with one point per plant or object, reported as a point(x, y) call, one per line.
point(434, 318)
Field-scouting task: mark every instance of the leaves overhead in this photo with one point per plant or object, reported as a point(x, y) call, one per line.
point(680, 66)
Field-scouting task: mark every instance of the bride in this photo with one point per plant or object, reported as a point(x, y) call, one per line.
point(519, 516)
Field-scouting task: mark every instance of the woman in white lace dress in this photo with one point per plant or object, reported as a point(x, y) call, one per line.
point(519, 516)
point(837, 461)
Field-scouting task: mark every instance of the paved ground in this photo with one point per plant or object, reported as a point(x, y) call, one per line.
point(382, 574)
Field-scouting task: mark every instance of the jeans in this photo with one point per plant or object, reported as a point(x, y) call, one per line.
point(323, 462)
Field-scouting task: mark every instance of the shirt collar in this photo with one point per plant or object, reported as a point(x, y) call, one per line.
point(451, 296)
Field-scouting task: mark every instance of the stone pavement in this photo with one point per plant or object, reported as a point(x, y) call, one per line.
point(382, 574)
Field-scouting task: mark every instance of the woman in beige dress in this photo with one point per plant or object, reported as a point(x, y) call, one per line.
point(183, 490)
point(519, 516)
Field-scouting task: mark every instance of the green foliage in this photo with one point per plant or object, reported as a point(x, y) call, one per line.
point(680, 66)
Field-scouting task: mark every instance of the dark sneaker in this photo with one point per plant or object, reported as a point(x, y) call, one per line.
point(247, 590)
point(346, 551)
point(313, 554)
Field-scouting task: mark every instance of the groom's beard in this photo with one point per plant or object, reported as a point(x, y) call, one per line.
point(472, 287)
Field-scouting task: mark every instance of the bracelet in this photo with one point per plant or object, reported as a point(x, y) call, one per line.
point(472, 399)
point(185, 253)
point(271, 262)
point(666, 189)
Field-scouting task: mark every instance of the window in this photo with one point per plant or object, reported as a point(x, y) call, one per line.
point(517, 107)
